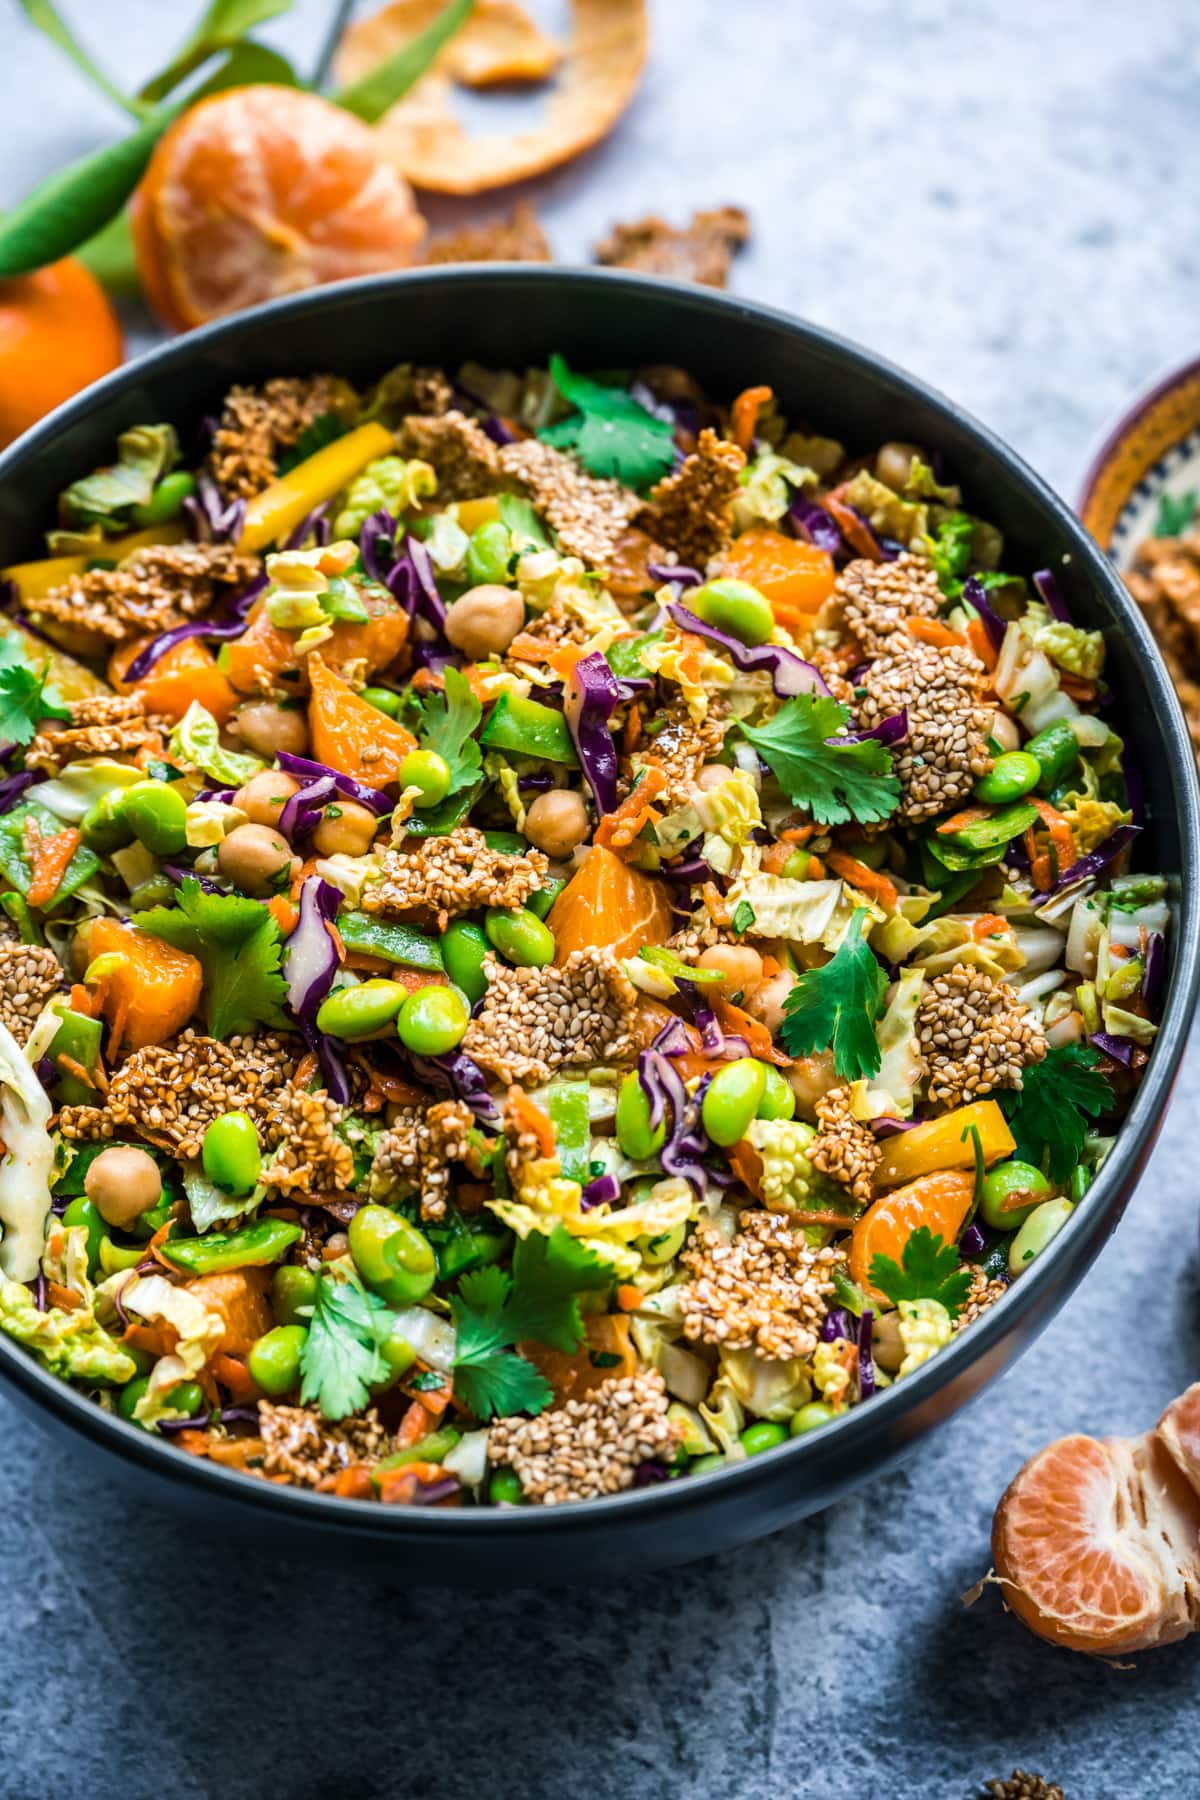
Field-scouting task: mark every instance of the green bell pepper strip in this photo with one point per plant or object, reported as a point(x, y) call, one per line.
point(993, 833)
point(461, 1246)
point(624, 657)
point(437, 821)
point(540, 902)
point(15, 864)
point(434, 1447)
point(19, 911)
point(506, 843)
point(527, 728)
point(253, 1246)
point(567, 1106)
point(78, 1038)
point(389, 939)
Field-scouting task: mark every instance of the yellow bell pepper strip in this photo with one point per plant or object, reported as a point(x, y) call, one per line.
point(945, 1143)
point(34, 579)
point(271, 515)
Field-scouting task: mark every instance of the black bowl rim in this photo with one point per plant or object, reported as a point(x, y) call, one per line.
point(1095, 1214)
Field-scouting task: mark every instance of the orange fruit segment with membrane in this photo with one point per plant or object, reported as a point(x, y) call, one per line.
point(350, 734)
point(795, 577)
point(186, 672)
point(264, 658)
point(941, 1201)
point(611, 905)
point(150, 991)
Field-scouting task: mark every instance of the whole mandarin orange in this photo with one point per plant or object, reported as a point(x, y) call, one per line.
point(261, 191)
point(58, 333)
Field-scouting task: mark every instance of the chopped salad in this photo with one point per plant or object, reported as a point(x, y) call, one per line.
point(557, 932)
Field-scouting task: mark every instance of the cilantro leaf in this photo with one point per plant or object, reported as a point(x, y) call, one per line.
point(612, 432)
point(1175, 513)
point(928, 1270)
point(324, 430)
point(494, 1310)
point(839, 1005)
point(238, 944)
point(835, 781)
point(341, 1360)
point(444, 723)
point(24, 696)
point(949, 548)
point(1049, 1114)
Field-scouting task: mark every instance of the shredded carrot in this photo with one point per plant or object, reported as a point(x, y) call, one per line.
point(988, 925)
point(155, 1340)
point(774, 857)
point(399, 1486)
point(633, 730)
point(63, 1297)
point(959, 821)
point(48, 858)
point(871, 882)
point(797, 834)
point(718, 912)
point(747, 1165)
point(391, 1087)
point(1061, 836)
point(736, 1020)
point(1040, 870)
point(413, 1426)
point(306, 1068)
point(285, 915)
point(617, 829)
point(433, 1401)
point(1077, 687)
point(153, 750)
point(427, 681)
point(82, 1001)
point(815, 870)
point(530, 1117)
point(981, 643)
point(629, 1298)
point(744, 415)
point(70, 1067)
point(307, 868)
point(932, 631)
point(232, 1373)
point(354, 1482)
point(859, 536)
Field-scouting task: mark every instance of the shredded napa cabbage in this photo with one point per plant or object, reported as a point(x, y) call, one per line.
point(196, 744)
point(765, 488)
point(1070, 646)
point(27, 1169)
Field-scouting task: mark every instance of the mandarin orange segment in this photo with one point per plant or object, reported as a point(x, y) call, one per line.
point(606, 1351)
point(240, 1297)
point(1095, 1544)
point(940, 1201)
point(352, 735)
point(796, 576)
point(609, 904)
point(151, 989)
point(261, 191)
point(264, 658)
point(58, 334)
point(186, 672)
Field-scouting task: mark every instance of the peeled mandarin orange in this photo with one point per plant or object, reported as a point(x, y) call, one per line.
point(609, 904)
point(57, 334)
point(240, 1297)
point(796, 576)
point(350, 734)
point(264, 657)
point(261, 191)
point(1095, 1545)
point(182, 674)
point(150, 991)
point(940, 1201)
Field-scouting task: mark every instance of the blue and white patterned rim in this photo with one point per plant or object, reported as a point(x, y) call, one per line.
point(1175, 473)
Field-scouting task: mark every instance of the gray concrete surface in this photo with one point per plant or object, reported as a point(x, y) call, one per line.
point(995, 193)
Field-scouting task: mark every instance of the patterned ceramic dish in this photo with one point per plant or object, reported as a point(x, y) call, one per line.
point(1144, 480)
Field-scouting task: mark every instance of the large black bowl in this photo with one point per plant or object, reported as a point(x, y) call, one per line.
point(511, 317)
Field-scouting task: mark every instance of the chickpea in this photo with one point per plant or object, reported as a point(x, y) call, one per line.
point(122, 1183)
point(263, 796)
point(269, 728)
point(887, 1346)
point(893, 465)
point(740, 964)
point(346, 829)
point(257, 860)
point(713, 775)
point(1004, 730)
point(766, 1003)
point(484, 621)
point(557, 822)
point(809, 1077)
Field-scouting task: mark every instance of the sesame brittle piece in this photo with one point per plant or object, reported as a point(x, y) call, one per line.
point(460, 452)
point(102, 725)
point(875, 598)
point(416, 1153)
point(975, 1035)
point(766, 1291)
point(517, 238)
point(533, 1021)
point(588, 1447)
point(691, 510)
point(304, 1449)
point(257, 423)
point(844, 1149)
point(29, 974)
point(589, 513)
point(149, 592)
point(441, 877)
point(702, 251)
point(946, 750)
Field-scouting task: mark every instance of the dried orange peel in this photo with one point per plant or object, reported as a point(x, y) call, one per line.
point(595, 83)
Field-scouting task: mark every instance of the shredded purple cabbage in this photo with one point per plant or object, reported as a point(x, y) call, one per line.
point(314, 524)
point(672, 1039)
point(1097, 860)
point(592, 694)
point(1154, 974)
point(310, 958)
point(866, 1362)
point(1047, 586)
point(37, 1288)
point(686, 1142)
point(839, 1323)
point(976, 594)
point(889, 731)
point(212, 631)
point(1119, 1048)
point(972, 1242)
point(886, 1126)
point(212, 519)
point(819, 527)
point(428, 1494)
point(789, 673)
point(179, 873)
point(462, 1076)
point(346, 785)
point(715, 1041)
point(13, 786)
point(649, 1474)
point(604, 1191)
point(679, 575)
point(301, 812)
point(377, 545)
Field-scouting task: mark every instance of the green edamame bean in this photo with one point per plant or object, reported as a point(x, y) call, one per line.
point(778, 1101)
point(1011, 775)
point(187, 1397)
point(357, 1012)
point(488, 553)
point(116, 1256)
point(635, 1134)
point(504, 1488)
point(809, 1417)
point(872, 853)
point(84, 1212)
point(166, 501)
point(156, 813)
point(663, 1247)
point(382, 699)
point(464, 947)
point(520, 937)
point(703, 1464)
point(231, 1153)
point(158, 891)
point(1040, 1228)
point(796, 866)
point(274, 1359)
point(733, 1098)
point(392, 1256)
point(1009, 1194)
point(764, 1434)
point(426, 770)
point(397, 1353)
point(104, 827)
point(292, 1287)
point(1057, 752)
point(129, 1396)
point(735, 607)
point(433, 1020)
